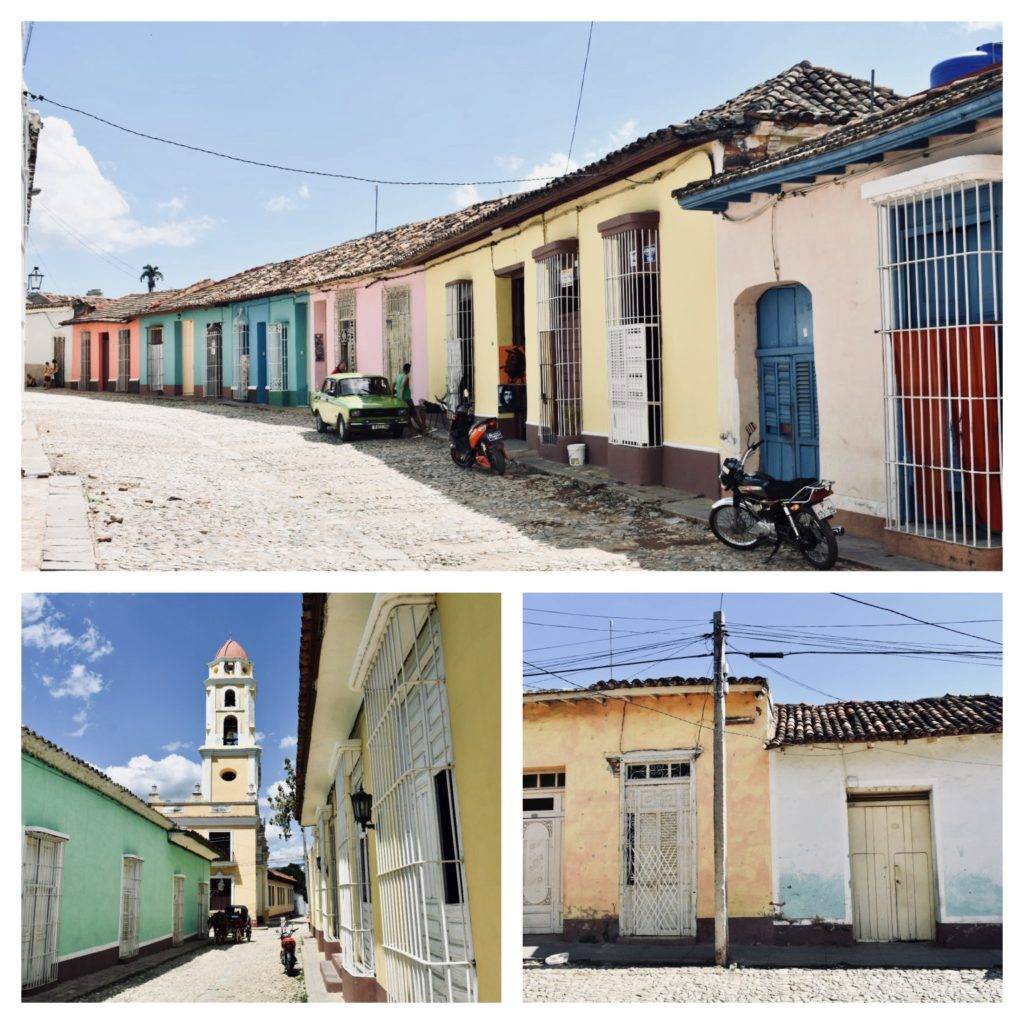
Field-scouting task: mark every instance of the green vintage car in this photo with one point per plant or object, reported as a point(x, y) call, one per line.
point(358, 403)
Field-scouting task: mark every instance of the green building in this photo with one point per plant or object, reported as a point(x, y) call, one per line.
point(105, 877)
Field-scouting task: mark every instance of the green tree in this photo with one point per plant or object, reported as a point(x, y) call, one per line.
point(151, 275)
point(283, 810)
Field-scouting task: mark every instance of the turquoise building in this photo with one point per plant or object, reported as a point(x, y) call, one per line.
point(105, 877)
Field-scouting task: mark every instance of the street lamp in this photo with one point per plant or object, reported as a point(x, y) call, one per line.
point(35, 280)
point(362, 808)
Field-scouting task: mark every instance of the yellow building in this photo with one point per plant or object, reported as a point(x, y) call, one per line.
point(224, 807)
point(280, 895)
point(608, 290)
point(398, 779)
point(617, 811)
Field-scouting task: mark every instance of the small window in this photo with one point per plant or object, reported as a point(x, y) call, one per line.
point(529, 782)
point(229, 775)
point(636, 771)
point(680, 769)
point(539, 803)
point(229, 698)
point(450, 853)
point(222, 842)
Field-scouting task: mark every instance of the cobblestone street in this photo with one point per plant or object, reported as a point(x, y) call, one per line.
point(246, 972)
point(177, 485)
point(755, 985)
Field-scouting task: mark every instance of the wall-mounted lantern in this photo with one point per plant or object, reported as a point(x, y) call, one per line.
point(362, 808)
point(35, 281)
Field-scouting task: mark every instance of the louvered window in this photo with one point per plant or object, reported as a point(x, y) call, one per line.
point(397, 332)
point(203, 908)
point(214, 361)
point(940, 249)
point(155, 362)
point(277, 356)
point(42, 860)
point(459, 341)
point(558, 337)
point(633, 329)
point(345, 343)
point(240, 383)
point(124, 358)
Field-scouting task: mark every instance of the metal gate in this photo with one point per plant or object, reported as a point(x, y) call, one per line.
point(426, 936)
point(177, 909)
point(277, 356)
point(658, 880)
point(397, 336)
point(240, 380)
point(940, 265)
point(42, 858)
point(58, 360)
point(542, 861)
point(155, 358)
point(85, 361)
point(345, 342)
point(787, 383)
point(633, 326)
point(214, 361)
point(131, 891)
point(459, 341)
point(891, 874)
point(124, 359)
point(558, 335)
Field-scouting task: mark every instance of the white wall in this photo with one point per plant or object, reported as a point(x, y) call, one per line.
point(810, 842)
point(41, 327)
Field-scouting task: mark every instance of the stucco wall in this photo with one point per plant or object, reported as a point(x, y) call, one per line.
point(810, 831)
point(72, 373)
point(41, 327)
point(687, 301)
point(826, 240)
point(579, 736)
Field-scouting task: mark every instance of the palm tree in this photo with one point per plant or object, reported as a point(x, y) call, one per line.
point(151, 275)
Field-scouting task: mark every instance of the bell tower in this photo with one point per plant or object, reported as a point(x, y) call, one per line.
point(231, 755)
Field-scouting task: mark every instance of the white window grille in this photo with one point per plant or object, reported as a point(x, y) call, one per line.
point(940, 266)
point(633, 325)
point(658, 863)
point(240, 382)
point(131, 906)
point(558, 335)
point(42, 861)
point(214, 361)
point(203, 908)
point(345, 342)
point(85, 361)
point(356, 911)
point(124, 358)
point(177, 909)
point(331, 870)
point(426, 938)
point(459, 341)
point(277, 356)
point(397, 331)
point(155, 361)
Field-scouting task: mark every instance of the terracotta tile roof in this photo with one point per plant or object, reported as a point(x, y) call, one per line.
point(865, 126)
point(311, 632)
point(120, 310)
point(281, 876)
point(642, 684)
point(50, 300)
point(859, 721)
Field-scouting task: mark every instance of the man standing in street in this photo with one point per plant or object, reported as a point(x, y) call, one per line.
point(403, 391)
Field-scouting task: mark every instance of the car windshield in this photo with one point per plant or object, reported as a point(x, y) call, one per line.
point(363, 386)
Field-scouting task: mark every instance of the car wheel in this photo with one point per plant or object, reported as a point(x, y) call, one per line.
point(341, 429)
point(320, 427)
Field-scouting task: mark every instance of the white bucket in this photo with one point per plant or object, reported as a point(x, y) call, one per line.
point(577, 454)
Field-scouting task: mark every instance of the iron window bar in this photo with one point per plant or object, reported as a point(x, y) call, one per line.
point(85, 361)
point(459, 341)
point(240, 381)
point(356, 922)
point(41, 871)
point(214, 361)
point(124, 358)
point(345, 340)
point(155, 360)
point(558, 335)
point(277, 356)
point(396, 334)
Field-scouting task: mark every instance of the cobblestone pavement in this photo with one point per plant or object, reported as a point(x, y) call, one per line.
point(755, 985)
point(246, 972)
point(176, 485)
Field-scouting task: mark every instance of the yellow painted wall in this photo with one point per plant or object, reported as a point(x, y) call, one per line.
point(283, 905)
point(688, 300)
point(471, 640)
point(245, 887)
point(578, 737)
point(237, 788)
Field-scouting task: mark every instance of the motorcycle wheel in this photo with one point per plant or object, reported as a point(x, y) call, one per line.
point(735, 527)
point(463, 461)
point(818, 543)
point(496, 457)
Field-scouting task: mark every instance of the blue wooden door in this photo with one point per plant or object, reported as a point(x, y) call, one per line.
point(261, 362)
point(787, 386)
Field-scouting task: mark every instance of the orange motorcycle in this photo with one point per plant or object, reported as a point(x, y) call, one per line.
point(474, 442)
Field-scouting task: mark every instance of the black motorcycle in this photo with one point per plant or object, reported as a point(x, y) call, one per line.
point(763, 510)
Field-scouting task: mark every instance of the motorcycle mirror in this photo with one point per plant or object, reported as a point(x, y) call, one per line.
point(751, 428)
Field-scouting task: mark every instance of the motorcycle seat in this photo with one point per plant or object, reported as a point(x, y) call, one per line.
point(778, 489)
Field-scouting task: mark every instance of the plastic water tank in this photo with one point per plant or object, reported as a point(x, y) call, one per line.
point(962, 64)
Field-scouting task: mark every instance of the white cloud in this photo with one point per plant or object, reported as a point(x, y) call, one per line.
point(509, 164)
point(46, 635)
point(553, 167)
point(466, 195)
point(303, 191)
point(34, 607)
point(981, 26)
point(287, 742)
point(284, 851)
point(626, 132)
point(285, 203)
point(79, 683)
point(93, 644)
point(260, 736)
point(173, 205)
point(81, 719)
point(173, 746)
point(76, 193)
point(174, 775)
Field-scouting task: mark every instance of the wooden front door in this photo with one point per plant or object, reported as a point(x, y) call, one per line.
point(177, 909)
point(188, 357)
point(542, 863)
point(891, 873)
point(104, 372)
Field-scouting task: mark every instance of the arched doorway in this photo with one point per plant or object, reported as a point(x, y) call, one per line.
point(787, 384)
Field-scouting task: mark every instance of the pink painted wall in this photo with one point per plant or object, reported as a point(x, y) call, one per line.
point(370, 326)
point(95, 330)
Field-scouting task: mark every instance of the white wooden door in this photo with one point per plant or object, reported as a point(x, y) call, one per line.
point(177, 909)
point(542, 863)
point(657, 850)
point(891, 874)
point(131, 892)
point(40, 908)
point(188, 357)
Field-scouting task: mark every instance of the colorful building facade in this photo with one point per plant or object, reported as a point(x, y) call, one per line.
point(397, 776)
point(280, 900)
point(105, 878)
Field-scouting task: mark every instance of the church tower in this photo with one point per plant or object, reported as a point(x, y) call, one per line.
point(230, 752)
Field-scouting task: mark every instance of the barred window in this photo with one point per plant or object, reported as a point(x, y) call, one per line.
point(397, 331)
point(155, 361)
point(277, 356)
point(459, 341)
point(345, 340)
point(558, 336)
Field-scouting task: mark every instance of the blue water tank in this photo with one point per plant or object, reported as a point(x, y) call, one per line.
point(962, 64)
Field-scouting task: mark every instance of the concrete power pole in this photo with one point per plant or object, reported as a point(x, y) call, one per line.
point(721, 890)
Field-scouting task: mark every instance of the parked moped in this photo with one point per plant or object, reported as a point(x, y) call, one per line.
point(472, 441)
point(288, 958)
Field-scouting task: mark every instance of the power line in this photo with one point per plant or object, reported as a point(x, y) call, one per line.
point(923, 622)
point(579, 99)
point(61, 224)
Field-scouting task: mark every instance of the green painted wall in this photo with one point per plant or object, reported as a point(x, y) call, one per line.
point(102, 831)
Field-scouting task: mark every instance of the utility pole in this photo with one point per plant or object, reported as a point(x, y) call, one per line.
point(721, 893)
point(611, 671)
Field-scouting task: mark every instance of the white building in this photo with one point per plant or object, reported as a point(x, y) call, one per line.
point(46, 338)
point(887, 821)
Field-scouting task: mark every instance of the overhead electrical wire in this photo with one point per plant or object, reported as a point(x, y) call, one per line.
point(579, 99)
point(913, 618)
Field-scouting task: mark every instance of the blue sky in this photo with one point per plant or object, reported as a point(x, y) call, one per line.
point(451, 101)
point(117, 679)
point(573, 628)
